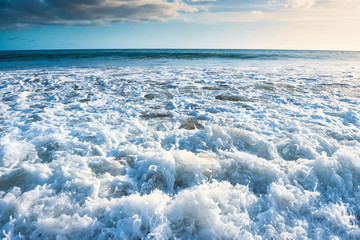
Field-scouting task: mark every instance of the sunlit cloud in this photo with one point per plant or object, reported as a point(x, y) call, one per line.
point(257, 12)
point(283, 11)
point(300, 3)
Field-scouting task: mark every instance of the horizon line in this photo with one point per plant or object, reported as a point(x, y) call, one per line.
point(270, 49)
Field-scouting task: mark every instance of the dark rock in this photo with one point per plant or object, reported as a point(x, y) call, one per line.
point(150, 115)
point(150, 96)
point(247, 107)
point(223, 86)
point(232, 98)
point(156, 107)
point(166, 86)
point(212, 88)
point(85, 100)
point(265, 86)
point(191, 124)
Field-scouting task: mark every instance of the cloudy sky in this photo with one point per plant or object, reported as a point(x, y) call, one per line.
point(274, 24)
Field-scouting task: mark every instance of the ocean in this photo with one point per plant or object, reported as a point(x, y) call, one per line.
point(179, 144)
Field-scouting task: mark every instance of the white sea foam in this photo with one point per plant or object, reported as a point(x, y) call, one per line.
point(212, 152)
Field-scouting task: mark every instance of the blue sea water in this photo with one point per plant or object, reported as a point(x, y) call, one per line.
point(146, 57)
point(179, 144)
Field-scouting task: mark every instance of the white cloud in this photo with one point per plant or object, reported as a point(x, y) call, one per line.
point(257, 12)
point(300, 3)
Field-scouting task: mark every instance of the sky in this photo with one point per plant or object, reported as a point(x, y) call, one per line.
point(234, 24)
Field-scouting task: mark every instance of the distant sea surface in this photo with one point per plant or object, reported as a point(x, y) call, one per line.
point(179, 144)
point(126, 57)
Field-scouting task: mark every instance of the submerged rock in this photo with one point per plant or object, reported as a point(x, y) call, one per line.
point(150, 115)
point(85, 100)
point(232, 98)
point(150, 96)
point(265, 86)
point(212, 88)
point(191, 124)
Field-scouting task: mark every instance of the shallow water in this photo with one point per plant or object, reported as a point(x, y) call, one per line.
point(248, 150)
